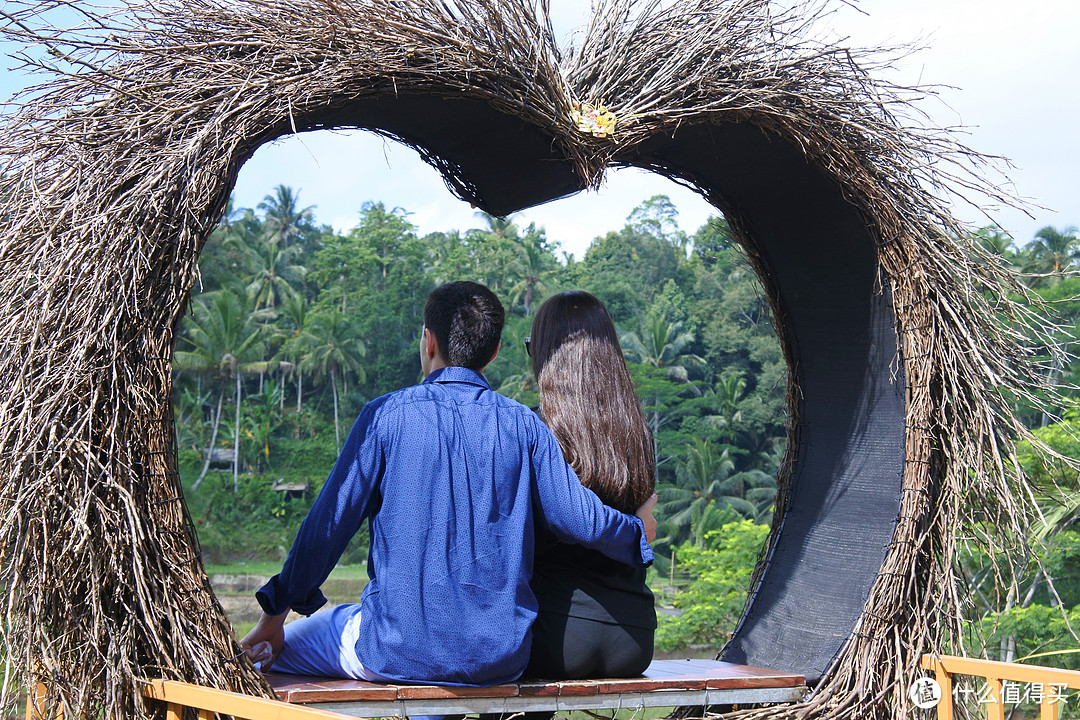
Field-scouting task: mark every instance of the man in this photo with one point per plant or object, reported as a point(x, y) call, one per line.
point(453, 477)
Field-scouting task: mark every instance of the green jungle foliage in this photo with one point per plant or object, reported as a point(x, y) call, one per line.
point(297, 326)
point(718, 571)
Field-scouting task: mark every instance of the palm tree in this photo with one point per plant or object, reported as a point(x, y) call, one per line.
point(660, 343)
point(699, 473)
point(533, 264)
point(704, 478)
point(335, 348)
point(284, 220)
point(725, 397)
point(271, 274)
point(447, 256)
point(226, 338)
point(294, 317)
point(502, 227)
point(1052, 252)
point(996, 241)
point(493, 250)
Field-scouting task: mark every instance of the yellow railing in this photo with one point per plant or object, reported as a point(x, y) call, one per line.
point(209, 702)
point(1051, 683)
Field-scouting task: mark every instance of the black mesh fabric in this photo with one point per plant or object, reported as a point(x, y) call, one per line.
point(838, 318)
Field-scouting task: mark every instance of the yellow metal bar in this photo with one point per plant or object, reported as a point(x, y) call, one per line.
point(1005, 671)
point(212, 700)
point(1052, 680)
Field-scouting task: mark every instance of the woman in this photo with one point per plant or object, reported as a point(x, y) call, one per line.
point(596, 616)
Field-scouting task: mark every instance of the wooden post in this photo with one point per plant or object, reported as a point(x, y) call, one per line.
point(945, 705)
point(995, 699)
point(36, 702)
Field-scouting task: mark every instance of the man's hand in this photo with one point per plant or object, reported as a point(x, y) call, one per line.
point(645, 513)
point(266, 639)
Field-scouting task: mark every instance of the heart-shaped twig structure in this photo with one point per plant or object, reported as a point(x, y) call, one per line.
point(906, 353)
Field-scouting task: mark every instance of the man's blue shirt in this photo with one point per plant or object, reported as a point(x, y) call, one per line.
point(453, 477)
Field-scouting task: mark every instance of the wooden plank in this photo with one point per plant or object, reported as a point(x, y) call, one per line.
point(649, 684)
point(510, 705)
point(661, 676)
point(538, 688)
point(721, 675)
point(756, 681)
point(313, 689)
point(417, 692)
point(577, 688)
point(305, 689)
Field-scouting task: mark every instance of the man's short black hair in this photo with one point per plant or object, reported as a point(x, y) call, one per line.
point(467, 321)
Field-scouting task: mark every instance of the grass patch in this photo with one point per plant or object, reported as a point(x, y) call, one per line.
point(266, 568)
point(269, 568)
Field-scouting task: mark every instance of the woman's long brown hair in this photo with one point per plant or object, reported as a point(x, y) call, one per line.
point(588, 400)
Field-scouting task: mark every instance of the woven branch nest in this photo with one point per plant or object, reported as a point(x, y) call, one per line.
point(118, 167)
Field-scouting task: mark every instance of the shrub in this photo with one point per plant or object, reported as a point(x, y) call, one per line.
point(713, 602)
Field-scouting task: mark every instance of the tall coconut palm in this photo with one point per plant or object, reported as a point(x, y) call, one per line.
point(660, 343)
point(334, 348)
point(447, 256)
point(705, 477)
point(271, 273)
point(293, 317)
point(284, 219)
point(725, 397)
point(493, 250)
point(534, 264)
point(502, 227)
point(1052, 252)
point(699, 475)
point(225, 335)
point(995, 241)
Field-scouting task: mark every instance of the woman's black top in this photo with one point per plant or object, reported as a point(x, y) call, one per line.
point(576, 581)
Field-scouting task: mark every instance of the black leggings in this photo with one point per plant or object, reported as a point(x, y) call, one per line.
point(571, 648)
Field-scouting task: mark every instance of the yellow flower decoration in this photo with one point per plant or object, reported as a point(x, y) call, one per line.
point(597, 121)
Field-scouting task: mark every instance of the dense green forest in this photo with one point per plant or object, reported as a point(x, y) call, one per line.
point(296, 326)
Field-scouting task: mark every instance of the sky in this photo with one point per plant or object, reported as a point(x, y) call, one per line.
point(1006, 72)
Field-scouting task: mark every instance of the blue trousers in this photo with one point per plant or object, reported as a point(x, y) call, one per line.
point(324, 645)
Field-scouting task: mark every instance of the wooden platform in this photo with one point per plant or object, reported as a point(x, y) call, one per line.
point(666, 683)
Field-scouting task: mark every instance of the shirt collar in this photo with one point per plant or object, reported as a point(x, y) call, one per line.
point(457, 374)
